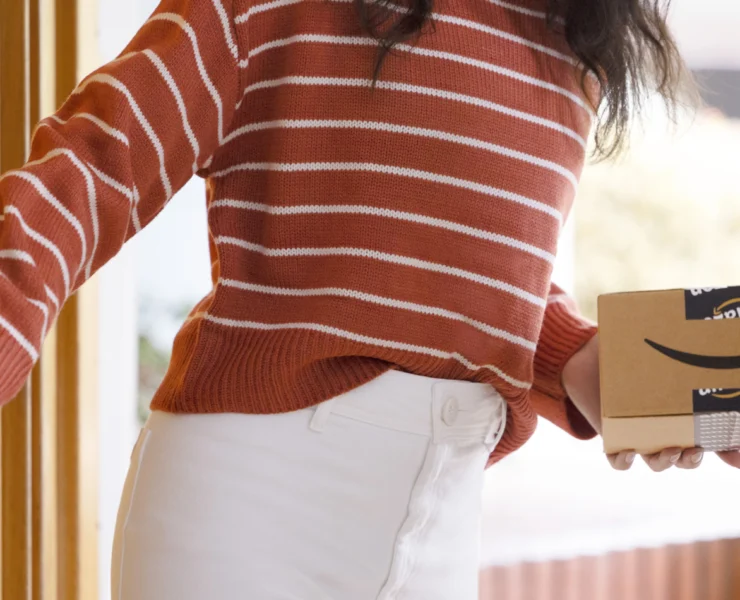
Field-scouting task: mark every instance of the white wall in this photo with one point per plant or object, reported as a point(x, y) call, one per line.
point(118, 361)
point(707, 31)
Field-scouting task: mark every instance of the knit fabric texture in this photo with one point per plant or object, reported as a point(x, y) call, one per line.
point(354, 227)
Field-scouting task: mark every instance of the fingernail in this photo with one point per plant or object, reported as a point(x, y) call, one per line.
point(675, 458)
point(630, 458)
point(696, 458)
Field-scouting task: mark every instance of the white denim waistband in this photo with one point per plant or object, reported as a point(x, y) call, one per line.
point(444, 410)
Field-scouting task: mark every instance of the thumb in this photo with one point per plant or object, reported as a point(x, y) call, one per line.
point(732, 458)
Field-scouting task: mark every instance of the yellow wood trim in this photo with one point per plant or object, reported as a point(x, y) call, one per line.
point(37, 491)
point(14, 74)
point(77, 417)
point(65, 26)
point(45, 447)
point(88, 440)
point(67, 452)
point(77, 447)
point(47, 56)
point(16, 460)
point(49, 436)
point(16, 507)
point(38, 418)
point(48, 407)
point(88, 400)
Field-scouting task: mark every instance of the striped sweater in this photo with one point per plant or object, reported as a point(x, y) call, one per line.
point(354, 229)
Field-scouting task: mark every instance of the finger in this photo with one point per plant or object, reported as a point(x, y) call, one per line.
point(690, 459)
point(622, 461)
point(663, 460)
point(732, 458)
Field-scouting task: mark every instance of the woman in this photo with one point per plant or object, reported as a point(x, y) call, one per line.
point(386, 185)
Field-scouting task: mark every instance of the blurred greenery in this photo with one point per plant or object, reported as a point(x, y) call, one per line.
point(153, 364)
point(154, 358)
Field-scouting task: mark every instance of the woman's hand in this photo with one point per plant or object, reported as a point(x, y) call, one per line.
point(581, 382)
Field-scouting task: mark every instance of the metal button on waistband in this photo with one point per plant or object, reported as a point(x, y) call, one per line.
point(450, 411)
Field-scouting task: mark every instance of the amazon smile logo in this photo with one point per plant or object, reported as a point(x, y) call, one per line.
point(713, 303)
point(725, 310)
point(716, 400)
point(702, 361)
point(720, 393)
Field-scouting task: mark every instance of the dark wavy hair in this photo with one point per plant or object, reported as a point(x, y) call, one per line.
point(626, 44)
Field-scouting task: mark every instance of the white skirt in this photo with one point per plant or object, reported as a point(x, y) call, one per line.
point(373, 495)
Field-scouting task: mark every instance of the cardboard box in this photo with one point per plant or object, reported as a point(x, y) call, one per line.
point(670, 369)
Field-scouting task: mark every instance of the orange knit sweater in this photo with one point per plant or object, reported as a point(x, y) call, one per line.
point(353, 230)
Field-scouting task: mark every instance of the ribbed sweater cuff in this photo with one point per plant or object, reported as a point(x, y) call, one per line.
point(15, 365)
point(564, 333)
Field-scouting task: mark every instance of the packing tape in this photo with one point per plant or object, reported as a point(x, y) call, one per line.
point(717, 431)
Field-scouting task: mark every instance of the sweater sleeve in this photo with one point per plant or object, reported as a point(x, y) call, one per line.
point(564, 332)
point(105, 165)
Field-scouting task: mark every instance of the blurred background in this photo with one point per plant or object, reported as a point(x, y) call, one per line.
point(558, 523)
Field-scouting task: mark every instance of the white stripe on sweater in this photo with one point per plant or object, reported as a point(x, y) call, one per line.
point(140, 117)
point(124, 57)
point(407, 130)
point(562, 298)
point(46, 243)
point(396, 259)
point(93, 204)
point(172, 85)
point(363, 339)
point(20, 338)
point(390, 214)
point(42, 307)
point(110, 182)
point(19, 255)
point(382, 301)
point(534, 81)
point(135, 211)
point(509, 37)
point(266, 6)
point(45, 310)
point(435, 17)
point(91, 198)
point(416, 89)
point(397, 171)
point(185, 26)
point(52, 296)
point(516, 39)
point(520, 9)
point(309, 38)
point(111, 131)
point(44, 192)
point(537, 14)
point(449, 56)
point(131, 194)
point(226, 25)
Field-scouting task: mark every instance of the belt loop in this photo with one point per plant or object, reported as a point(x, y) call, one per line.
point(321, 416)
point(438, 395)
point(498, 424)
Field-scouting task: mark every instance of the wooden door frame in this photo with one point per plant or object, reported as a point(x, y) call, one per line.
point(49, 434)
